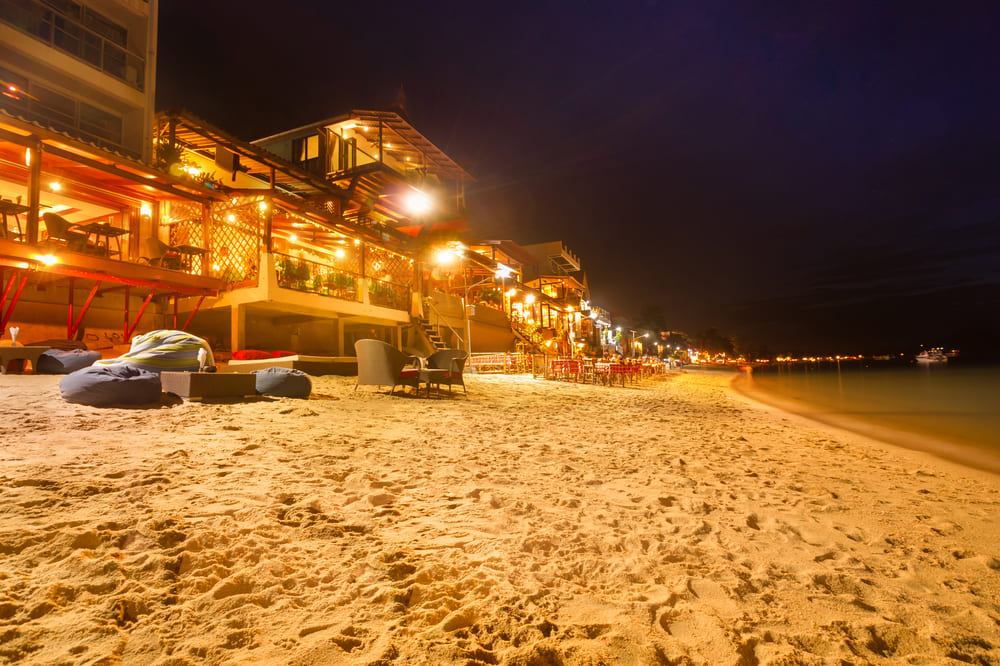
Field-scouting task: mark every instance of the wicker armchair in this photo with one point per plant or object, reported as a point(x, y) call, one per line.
point(450, 360)
point(381, 364)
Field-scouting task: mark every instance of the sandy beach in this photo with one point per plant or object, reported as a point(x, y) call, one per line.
point(531, 523)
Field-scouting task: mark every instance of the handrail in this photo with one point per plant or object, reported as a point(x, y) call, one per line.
point(430, 305)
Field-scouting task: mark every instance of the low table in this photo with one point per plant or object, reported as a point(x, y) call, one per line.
point(432, 376)
point(211, 385)
point(29, 354)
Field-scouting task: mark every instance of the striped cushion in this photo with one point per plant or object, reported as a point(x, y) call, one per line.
point(157, 351)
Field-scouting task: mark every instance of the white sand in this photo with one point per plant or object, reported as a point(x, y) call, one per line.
point(534, 523)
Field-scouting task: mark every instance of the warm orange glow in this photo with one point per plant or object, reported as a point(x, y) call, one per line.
point(47, 259)
point(417, 202)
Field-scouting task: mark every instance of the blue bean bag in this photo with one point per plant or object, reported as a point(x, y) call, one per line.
point(283, 383)
point(65, 361)
point(102, 386)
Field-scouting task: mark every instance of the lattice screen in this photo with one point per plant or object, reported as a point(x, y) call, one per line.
point(389, 266)
point(184, 222)
point(235, 228)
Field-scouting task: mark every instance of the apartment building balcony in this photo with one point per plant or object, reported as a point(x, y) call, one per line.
point(81, 32)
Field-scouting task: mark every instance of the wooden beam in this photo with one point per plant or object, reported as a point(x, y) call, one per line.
point(115, 170)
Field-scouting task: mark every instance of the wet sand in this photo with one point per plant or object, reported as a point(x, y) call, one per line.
point(981, 454)
point(535, 522)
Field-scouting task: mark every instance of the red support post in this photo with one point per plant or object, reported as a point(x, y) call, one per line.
point(129, 330)
point(75, 326)
point(191, 316)
point(5, 316)
point(128, 293)
point(69, 310)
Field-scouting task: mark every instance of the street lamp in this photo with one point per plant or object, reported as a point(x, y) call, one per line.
point(632, 351)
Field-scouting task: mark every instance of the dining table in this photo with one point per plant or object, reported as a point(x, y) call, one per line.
point(105, 231)
point(188, 254)
point(19, 356)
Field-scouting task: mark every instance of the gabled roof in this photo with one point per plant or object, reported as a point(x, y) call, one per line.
point(512, 250)
point(395, 130)
point(203, 138)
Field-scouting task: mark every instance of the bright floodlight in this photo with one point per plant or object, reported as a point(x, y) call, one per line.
point(417, 202)
point(47, 259)
point(445, 256)
point(503, 271)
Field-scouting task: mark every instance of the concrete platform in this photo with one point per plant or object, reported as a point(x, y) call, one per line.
point(311, 365)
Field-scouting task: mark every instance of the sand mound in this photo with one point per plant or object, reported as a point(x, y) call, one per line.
point(533, 523)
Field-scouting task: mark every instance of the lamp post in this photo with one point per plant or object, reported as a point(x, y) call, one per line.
point(632, 350)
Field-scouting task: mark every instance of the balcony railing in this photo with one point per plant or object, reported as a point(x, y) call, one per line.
point(70, 35)
point(388, 294)
point(316, 278)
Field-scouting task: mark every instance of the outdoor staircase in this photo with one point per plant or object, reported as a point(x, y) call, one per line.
point(430, 333)
point(525, 340)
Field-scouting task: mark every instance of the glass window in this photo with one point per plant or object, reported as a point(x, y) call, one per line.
point(105, 27)
point(100, 123)
point(57, 109)
point(305, 148)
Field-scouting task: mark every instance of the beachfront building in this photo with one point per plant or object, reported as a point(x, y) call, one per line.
point(323, 235)
point(221, 237)
point(547, 298)
point(562, 315)
point(83, 68)
point(77, 221)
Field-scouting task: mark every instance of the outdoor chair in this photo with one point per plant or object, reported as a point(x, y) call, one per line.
point(60, 233)
point(452, 362)
point(160, 254)
point(381, 364)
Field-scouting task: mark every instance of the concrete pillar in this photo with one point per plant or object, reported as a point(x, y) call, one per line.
point(237, 327)
point(339, 351)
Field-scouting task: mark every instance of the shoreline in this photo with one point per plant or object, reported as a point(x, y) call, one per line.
point(535, 521)
point(960, 453)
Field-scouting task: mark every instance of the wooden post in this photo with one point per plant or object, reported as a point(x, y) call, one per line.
point(34, 188)
point(206, 237)
point(268, 226)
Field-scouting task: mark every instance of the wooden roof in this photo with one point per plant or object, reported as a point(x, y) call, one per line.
point(203, 138)
point(404, 138)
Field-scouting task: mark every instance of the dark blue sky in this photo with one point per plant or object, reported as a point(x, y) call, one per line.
point(819, 178)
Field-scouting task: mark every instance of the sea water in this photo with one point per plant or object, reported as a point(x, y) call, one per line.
point(911, 405)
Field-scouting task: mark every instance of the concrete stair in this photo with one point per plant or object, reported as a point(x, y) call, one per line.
point(430, 333)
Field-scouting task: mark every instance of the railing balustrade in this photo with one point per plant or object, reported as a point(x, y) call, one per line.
point(316, 278)
point(388, 294)
point(70, 34)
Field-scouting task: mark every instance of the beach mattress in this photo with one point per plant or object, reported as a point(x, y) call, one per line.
point(103, 386)
point(157, 351)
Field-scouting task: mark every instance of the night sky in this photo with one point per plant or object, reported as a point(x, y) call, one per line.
point(818, 179)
